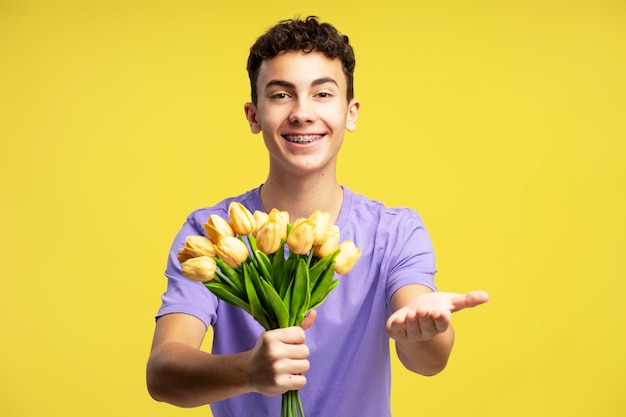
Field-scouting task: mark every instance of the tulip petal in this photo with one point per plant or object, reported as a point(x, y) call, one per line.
point(321, 220)
point(232, 251)
point(347, 257)
point(241, 220)
point(300, 239)
point(196, 246)
point(217, 227)
point(200, 269)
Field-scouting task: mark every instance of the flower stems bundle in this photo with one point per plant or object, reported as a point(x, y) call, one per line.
point(275, 271)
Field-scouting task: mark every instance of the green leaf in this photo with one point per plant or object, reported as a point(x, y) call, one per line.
point(256, 309)
point(252, 250)
point(321, 296)
point(280, 309)
point(252, 241)
point(230, 276)
point(287, 298)
point(300, 294)
point(227, 270)
point(321, 289)
point(322, 265)
point(261, 293)
point(265, 265)
point(224, 293)
point(284, 281)
point(278, 266)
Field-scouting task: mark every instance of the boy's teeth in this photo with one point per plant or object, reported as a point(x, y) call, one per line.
point(302, 138)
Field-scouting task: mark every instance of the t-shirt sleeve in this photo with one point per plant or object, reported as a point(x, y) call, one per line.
point(411, 255)
point(182, 294)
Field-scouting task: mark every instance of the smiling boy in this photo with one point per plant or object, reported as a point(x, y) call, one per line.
point(301, 74)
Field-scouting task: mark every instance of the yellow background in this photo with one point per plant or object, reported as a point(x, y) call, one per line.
point(501, 122)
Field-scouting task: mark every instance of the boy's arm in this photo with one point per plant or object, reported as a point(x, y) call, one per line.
point(421, 325)
point(178, 372)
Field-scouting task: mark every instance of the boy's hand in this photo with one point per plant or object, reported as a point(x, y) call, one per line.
point(277, 363)
point(429, 314)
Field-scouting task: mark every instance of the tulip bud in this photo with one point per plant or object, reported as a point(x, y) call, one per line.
point(347, 257)
point(200, 269)
point(241, 220)
point(285, 216)
point(282, 218)
point(328, 245)
point(269, 237)
point(321, 219)
point(300, 239)
point(232, 251)
point(260, 217)
point(196, 246)
point(216, 227)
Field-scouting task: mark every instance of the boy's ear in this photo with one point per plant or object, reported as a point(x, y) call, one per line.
point(250, 110)
point(353, 115)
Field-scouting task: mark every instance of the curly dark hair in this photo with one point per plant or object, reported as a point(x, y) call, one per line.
point(306, 35)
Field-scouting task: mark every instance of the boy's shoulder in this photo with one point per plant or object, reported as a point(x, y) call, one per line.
point(362, 209)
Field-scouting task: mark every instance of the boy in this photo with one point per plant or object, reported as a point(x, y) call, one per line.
point(301, 75)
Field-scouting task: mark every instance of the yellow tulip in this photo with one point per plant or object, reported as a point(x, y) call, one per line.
point(241, 220)
point(216, 227)
point(196, 246)
point(347, 257)
point(285, 216)
point(260, 217)
point(321, 219)
point(269, 237)
point(232, 251)
point(282, 218)
point(300, 239)
point(328, 245)
point(200, 269)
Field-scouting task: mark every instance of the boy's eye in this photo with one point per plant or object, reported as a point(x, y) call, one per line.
point(324, 95)
point(279, 96)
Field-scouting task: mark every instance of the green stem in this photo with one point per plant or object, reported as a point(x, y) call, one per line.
point(309, 258)
point(252, 250)
point(225, 279)
point(294, 404)
point(284, 405)
point(300, 407)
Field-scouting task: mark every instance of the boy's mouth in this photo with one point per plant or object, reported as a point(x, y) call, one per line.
point(302, 139)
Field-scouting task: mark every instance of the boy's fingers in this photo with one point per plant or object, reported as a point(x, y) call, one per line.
point(309, 319)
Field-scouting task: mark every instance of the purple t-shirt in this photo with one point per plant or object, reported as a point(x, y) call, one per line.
point(350, 365)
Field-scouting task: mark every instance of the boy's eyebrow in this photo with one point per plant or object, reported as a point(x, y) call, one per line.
point(287, 84)
point(324, 80)
point(279, 83)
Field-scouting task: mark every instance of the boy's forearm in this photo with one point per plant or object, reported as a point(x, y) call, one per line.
point(187, 377)
point(428, 357)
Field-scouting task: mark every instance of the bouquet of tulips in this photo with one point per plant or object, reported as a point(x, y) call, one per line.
point(244, 262)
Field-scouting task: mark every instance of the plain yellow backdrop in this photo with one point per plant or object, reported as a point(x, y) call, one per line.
point(501, 122)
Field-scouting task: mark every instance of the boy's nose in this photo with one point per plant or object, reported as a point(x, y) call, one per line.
point(302, 112)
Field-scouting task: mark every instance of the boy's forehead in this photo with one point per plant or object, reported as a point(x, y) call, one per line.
point(300, 67)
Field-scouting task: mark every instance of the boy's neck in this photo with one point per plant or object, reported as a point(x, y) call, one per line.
point(301, 196)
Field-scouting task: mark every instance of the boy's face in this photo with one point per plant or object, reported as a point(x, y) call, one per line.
point(302, 111)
